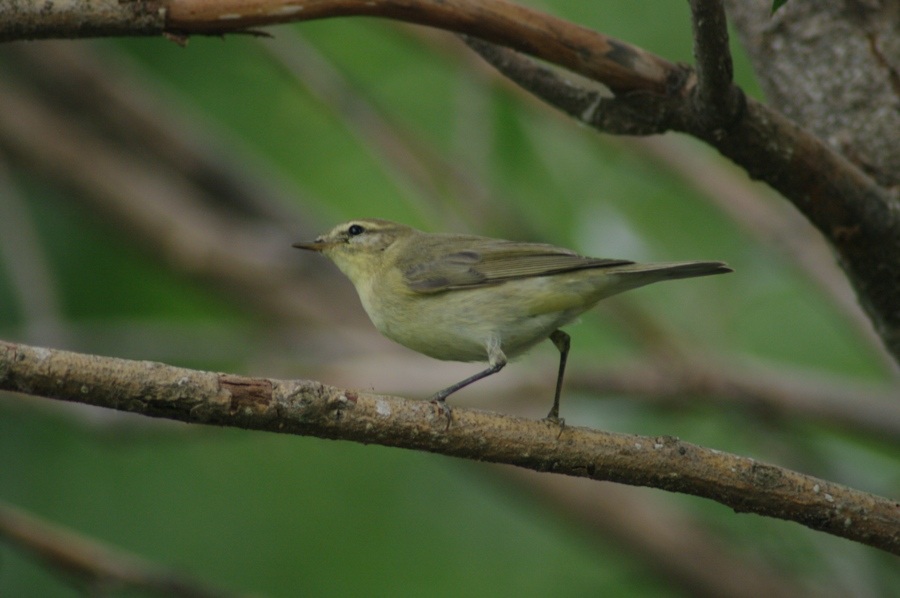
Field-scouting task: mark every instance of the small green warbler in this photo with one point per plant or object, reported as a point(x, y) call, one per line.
point(469, 298)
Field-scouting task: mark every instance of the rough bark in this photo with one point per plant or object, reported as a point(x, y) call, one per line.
point(834, 68)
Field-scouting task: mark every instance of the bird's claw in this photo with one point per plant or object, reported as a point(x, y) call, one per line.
point(443, 410)
point(555, 420)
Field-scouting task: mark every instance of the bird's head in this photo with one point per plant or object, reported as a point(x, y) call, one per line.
point(358, 247)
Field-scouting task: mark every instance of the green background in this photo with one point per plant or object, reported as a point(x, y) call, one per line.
point(288, 516)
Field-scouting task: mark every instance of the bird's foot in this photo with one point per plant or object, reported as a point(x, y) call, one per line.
point(555, 420)
point(443, 410)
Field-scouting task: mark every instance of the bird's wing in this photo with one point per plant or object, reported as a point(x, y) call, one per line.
point(490, 262)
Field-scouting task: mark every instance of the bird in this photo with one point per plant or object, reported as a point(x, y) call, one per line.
point(469, 298)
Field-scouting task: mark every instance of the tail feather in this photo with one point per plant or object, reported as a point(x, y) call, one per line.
point(674, 270)
point(632, 276)
point(584, 288)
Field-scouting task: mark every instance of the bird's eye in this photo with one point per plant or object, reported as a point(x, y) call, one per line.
point(355, 229)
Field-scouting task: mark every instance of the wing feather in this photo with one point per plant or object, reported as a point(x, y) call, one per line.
point(488, 262)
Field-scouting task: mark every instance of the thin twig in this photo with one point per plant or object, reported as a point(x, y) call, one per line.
point(871, 410)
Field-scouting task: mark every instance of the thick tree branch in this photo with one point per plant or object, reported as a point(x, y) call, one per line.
point(833, 68)
point(592, 104)
point(310, 408)
point(32, 19)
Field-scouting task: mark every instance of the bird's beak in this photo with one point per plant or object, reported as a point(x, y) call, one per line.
point(317, 245)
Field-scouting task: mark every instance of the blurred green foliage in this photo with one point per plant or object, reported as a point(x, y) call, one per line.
point(285, 516)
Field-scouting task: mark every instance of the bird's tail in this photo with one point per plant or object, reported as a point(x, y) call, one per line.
point(631, 276)
point(671, 270)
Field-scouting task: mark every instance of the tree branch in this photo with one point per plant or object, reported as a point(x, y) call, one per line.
point(310, 408)
point(103, 567)
point(716, 100)
point(869, 410)
point(833, 68)
point(33, 19)
point(592, 104)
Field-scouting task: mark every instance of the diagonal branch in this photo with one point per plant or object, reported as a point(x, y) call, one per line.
point(310, 408)
point(870, 410)
point(103, 567)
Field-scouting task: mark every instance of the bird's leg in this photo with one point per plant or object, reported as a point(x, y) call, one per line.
point(496, 359)
point(562, 342)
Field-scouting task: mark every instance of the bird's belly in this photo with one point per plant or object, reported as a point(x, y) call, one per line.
point(458, 326)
